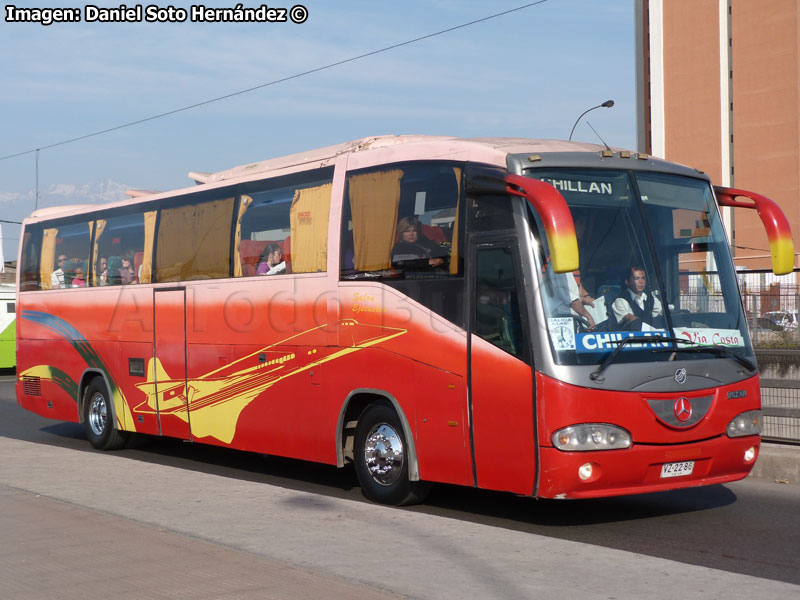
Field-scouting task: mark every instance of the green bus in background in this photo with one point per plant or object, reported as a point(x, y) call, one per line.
point(8, 326)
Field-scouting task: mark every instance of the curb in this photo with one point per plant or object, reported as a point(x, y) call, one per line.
point(779, 463)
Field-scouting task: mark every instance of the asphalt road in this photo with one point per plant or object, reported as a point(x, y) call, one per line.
point(749, 528)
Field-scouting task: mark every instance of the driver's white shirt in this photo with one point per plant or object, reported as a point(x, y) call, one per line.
point(622, 306)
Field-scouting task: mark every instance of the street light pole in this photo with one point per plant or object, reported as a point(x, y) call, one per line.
point(606, 104)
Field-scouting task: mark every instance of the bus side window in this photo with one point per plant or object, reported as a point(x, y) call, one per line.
point(403, 220)
point(118, 237)
point(193, 241)
point(491, 213)
point(31, 254)
point(65, 255)
point(290, 214)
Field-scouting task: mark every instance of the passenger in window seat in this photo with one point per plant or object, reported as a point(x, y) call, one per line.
point(78, 280)
point(102, 271)
point(57, 278)
point(271, 261)
point(413, 249)
point(126, 273)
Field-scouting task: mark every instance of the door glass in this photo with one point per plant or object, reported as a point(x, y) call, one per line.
point(497, 316)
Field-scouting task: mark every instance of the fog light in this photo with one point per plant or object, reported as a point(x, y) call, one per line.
point(749, 454)
point(585, 471)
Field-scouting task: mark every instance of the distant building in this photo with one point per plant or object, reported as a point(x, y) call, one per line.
point(9, 275)
point(718, 88)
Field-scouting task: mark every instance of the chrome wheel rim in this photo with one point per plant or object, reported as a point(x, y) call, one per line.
point(98, 413)
point(383, 454)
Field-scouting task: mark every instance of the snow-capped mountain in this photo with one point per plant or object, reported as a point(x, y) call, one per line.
point(57, 194)
point(15, 206)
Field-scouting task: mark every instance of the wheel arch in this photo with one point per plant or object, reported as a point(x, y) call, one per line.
point(352, 408)
point(85, 380)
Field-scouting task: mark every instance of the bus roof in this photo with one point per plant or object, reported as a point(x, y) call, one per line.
point(414, 146)
point(363, 152)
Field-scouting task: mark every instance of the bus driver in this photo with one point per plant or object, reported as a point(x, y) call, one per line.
point(635, 306)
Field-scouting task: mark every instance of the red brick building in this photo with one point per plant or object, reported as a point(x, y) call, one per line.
point(718, 88)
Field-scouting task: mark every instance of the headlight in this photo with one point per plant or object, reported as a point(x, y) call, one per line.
point(591, 436)
point(747, 423)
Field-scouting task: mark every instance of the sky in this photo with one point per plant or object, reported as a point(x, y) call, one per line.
point(529, 73)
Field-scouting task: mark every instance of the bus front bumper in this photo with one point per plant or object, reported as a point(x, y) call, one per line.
point(643, 469)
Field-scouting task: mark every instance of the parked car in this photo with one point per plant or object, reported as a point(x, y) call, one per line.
point(763, 324)
point(782, 318)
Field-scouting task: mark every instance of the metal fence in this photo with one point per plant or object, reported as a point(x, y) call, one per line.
point(772, 309)
point(780, 394)
point(780, 402)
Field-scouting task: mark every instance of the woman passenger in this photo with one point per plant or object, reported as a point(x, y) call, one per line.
point(413, 247)
point(127, 274)
point(271, 261)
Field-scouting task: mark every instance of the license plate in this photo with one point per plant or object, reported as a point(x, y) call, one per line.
point(677, 469)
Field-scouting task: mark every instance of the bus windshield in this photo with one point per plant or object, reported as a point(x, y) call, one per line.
point(654, 261)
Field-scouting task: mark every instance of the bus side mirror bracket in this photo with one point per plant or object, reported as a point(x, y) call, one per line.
point(551, 207)
point(775, 222)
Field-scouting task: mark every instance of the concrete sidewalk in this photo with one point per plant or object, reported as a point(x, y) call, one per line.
point(58, 551)
point(105, 524)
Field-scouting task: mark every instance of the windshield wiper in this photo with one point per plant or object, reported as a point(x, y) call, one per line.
point(717, 350)
point(647, 339)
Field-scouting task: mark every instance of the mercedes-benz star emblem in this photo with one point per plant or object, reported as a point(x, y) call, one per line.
point(682, 409)
point(680, 375)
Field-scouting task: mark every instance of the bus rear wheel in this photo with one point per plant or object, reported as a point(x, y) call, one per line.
point(381, 458)
point(98, 417)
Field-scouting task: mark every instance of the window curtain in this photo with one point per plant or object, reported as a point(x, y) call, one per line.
point(194, 241)
point(48, 257)
point(149, 237)
point(308, 219)
point(244, 204)
point(98, 227)
point(454, 244)
point(374, 201)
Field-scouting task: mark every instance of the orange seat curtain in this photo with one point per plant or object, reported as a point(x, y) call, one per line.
point(239, 269)
point(308, 218)
point(189, 241)
point(374, 202)
point(454, 249)
point(149, 239)
point(46, 266)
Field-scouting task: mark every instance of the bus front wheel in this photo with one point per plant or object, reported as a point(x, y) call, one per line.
point(381, 457)
point(98, 417)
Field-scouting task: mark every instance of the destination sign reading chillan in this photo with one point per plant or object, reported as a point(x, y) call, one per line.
point(581, 187)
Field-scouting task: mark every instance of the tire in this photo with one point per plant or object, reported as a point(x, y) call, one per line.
point(381, 458)
point(98, 418)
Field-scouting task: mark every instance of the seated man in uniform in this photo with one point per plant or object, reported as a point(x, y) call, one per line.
point(635, 306)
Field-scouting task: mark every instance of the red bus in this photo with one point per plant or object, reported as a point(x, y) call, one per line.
point(508, 314)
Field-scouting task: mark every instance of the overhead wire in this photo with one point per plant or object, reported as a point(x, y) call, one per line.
point(275, 81)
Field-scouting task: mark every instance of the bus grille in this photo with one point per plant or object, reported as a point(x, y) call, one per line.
point(32, 386)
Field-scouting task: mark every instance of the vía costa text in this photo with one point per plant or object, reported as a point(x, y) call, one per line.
point(153, 13)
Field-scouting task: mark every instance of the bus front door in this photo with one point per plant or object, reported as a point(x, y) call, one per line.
point(171, 391)
point(501, 377)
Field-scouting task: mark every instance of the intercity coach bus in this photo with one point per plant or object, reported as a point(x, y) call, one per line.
point(507, 314)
